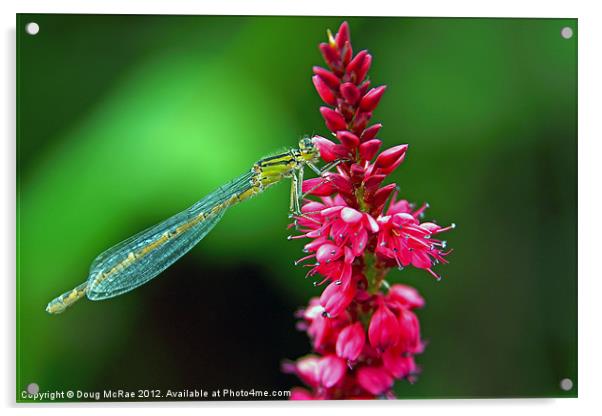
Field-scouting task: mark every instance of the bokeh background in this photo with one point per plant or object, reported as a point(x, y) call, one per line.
point(125, 120)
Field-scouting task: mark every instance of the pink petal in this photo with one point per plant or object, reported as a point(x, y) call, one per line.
point(375, 380)
point(350, 215)
point(331, 370)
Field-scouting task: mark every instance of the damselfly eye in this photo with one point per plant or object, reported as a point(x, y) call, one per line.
point(306, 143)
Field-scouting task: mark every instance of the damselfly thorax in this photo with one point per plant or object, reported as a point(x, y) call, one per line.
point(145, 255)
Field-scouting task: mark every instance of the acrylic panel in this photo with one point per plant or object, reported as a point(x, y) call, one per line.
point(427, 247)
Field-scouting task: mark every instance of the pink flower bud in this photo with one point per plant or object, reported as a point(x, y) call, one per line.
point(328, 77)
point(331, 56)
point(346, 53)
point(392, 167)
point(376, 380)
point(350, 92)
point(371, 99)
point(357, 62)
point(370, 132)
point(336, 297)
point(365, 67)
point(364, 87)
point(390, 156)
point(334, 121)
point(342, 35)
point(314, 245)
point(299, 393)
point(361, 120)
point(307, 370)
point(380, 197)
point(331, 370)
point(341, 183)
point(409, 331)
point(350, 341)
point(317, 187)
point(383, 331)
point(328, 252)
point(324, 91)
point(372, 182)
point(356, 172)
point(397, 364)
point(406, 295)
point(326, 212)
point(369, 149)
point(326, 148)
point(348, 139)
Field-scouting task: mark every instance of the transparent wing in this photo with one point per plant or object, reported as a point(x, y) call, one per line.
point(142, 257)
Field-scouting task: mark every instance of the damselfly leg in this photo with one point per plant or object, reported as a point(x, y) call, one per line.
point(297, 194)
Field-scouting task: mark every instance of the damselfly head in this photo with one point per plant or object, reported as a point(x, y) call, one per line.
point(308, 149)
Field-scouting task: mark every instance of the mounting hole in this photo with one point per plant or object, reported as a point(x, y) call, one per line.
point(33, 388)
point(566, 384)
point(566, 32)
point(32, 28)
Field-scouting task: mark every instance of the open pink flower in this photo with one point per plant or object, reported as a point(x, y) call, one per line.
point(405, 240)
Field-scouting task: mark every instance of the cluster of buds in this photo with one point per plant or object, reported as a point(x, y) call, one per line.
point(364, 332)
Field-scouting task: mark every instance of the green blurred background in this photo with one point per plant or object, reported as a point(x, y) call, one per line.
point(125, 120)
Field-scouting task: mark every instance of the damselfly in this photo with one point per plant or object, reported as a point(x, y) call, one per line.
point(143, 256)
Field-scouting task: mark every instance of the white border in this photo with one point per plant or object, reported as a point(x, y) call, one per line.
point(590, 137)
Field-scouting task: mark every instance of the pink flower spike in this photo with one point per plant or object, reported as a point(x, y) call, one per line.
point(334, 121)
point(328, 77)
point(369, 149)
point(331, 370)
point(324, 91)
point(326, 148)
point(350, 341)
point(370, 132)
point(350, 92)
point(342, 35)
point(406, 295)
point(371, 99)
point(375, 380)
point(383, 331)
point(348, 139)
